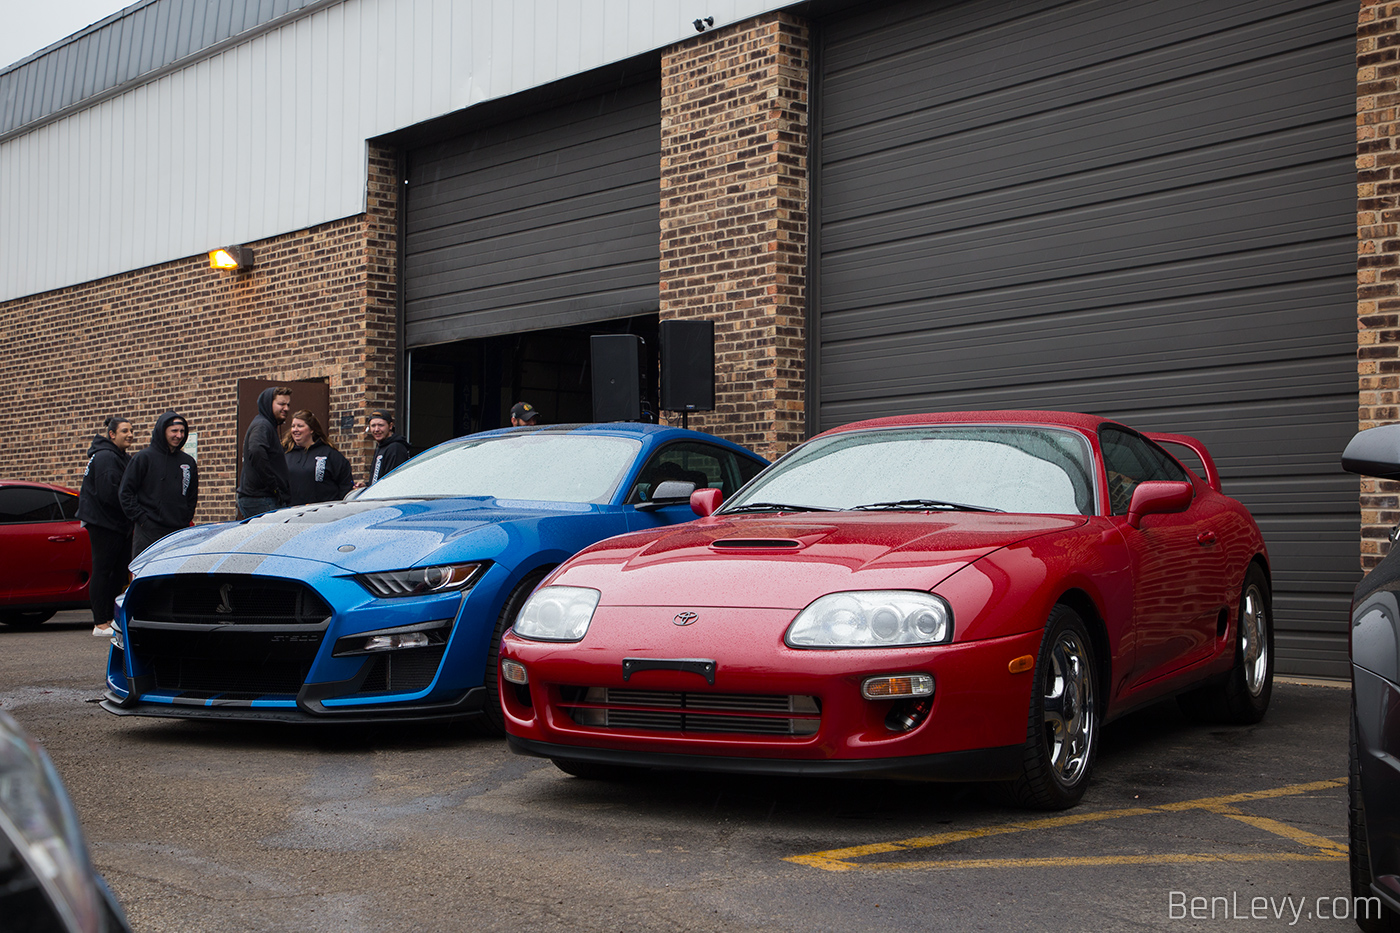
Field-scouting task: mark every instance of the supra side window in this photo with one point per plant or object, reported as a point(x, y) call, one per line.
point(20, 504)
point(67, 506)
point(1129, 459)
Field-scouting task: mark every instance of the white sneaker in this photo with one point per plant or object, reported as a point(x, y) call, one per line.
point(103, 631)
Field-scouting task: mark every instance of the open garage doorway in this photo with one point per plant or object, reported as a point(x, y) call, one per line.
point(469, 386)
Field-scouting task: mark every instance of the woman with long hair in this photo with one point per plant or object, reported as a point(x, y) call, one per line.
point(317, 471)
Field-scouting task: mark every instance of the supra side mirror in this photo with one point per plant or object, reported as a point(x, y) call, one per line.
point(704, 501)
point(669, 492)
point(1375, 452)
point(1155, 497)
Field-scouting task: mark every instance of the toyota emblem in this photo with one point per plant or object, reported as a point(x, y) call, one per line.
point(685, 618)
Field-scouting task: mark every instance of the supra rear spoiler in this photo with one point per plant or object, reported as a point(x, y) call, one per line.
point(1197, 448)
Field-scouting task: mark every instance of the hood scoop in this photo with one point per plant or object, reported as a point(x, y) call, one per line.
point(755, 544)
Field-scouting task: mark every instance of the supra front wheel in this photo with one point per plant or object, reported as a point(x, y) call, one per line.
point(1062, 735)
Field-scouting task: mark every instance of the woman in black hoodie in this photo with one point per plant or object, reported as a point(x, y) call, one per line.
point(316, 471)
point(108, 528)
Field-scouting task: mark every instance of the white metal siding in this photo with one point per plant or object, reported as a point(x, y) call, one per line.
point(268, 136)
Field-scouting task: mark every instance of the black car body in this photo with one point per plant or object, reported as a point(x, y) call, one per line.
point(1374, 793)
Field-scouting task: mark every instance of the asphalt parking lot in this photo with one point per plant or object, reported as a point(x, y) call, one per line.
point(210, 827)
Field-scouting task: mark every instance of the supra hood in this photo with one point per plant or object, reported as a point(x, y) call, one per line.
point(786, 562)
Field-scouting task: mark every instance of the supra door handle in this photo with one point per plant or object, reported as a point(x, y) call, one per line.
point(62, 539)
point(1205, 538)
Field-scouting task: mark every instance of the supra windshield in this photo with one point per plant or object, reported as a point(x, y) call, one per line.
point(977, 467)
point(538, 466)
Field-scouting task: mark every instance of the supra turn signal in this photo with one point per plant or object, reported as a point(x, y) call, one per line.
point(1022, 664)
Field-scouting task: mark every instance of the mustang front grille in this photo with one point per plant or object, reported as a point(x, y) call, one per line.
point(405, 671)
point(226, 599)
point(667, 711)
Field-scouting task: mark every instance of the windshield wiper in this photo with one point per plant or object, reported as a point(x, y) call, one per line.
point(914, 505)
point(776, 507)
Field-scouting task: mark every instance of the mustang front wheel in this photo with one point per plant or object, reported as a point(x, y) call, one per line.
point(1062, 736)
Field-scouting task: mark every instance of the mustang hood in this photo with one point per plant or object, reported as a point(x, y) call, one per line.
point(786, 562)
point(357, 536)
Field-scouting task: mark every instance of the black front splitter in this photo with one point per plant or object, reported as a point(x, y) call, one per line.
point(468, 706)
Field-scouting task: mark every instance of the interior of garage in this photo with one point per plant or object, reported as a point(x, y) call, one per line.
point(470, 385)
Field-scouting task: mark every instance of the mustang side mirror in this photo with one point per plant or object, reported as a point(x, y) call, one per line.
point(669, 492)
point(704, 501)
point(1157, 496)
point(1374, 453)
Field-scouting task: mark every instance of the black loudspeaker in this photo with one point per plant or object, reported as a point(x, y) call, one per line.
point(688, 365)
point(617, 383)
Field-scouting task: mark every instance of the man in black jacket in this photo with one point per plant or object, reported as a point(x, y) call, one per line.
point(160, 488)
point(108, 528)
point(263, 485)
point(391, 449)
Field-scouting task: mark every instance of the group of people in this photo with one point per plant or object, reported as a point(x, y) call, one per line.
point(128, 502)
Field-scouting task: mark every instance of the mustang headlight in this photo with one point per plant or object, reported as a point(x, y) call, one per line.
point(557, 613)
point(872, 619)
point(423, 581)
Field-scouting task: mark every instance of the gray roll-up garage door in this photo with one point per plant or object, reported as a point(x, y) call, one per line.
point(1141, 210)
point(547, 220)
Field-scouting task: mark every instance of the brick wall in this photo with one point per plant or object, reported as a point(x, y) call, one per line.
point(734, 200)
point(1378, 254)
point(319, 304)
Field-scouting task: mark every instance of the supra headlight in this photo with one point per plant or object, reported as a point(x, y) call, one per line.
point(423, 581)
point(872, 619)
point(557, 613)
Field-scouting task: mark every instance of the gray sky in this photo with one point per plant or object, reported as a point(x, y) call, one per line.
point(26, 26)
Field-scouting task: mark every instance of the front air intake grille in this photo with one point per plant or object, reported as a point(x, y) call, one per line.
point(666, 711)
point(406, 671)
point(226, 599)
point(230, 679)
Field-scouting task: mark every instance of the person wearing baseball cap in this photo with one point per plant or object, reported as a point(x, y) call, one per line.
point(522, 413)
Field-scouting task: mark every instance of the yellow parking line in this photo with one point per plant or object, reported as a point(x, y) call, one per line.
point(841, 859)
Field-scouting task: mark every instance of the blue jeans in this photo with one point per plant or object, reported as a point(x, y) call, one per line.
point(248, 506)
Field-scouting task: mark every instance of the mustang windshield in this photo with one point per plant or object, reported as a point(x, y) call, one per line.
point(1008, 469)
point(536, 466)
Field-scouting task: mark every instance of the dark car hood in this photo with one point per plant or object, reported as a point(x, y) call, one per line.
point(365, 535)
point(787, 561)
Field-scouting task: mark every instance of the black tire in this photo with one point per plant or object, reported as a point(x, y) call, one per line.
point(492, 721)
point(595, 771)
point(1243, 697)
point(1062, 734)
point(1359, 855)
point(26, 618)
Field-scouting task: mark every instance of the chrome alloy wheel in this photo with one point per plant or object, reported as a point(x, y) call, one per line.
point(1254, 639)
point(1070, 716)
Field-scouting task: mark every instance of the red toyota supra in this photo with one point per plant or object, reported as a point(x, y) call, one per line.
point(963, 596)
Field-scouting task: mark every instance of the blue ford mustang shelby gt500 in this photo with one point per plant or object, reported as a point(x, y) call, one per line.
point(392, 604)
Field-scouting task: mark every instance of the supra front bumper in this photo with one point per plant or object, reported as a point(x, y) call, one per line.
point(982, 764)
point(977, 713)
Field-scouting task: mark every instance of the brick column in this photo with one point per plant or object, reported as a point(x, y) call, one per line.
point(734, 194)
point(1378, 254)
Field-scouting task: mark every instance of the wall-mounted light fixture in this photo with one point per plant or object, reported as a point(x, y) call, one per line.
point(232, 258)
